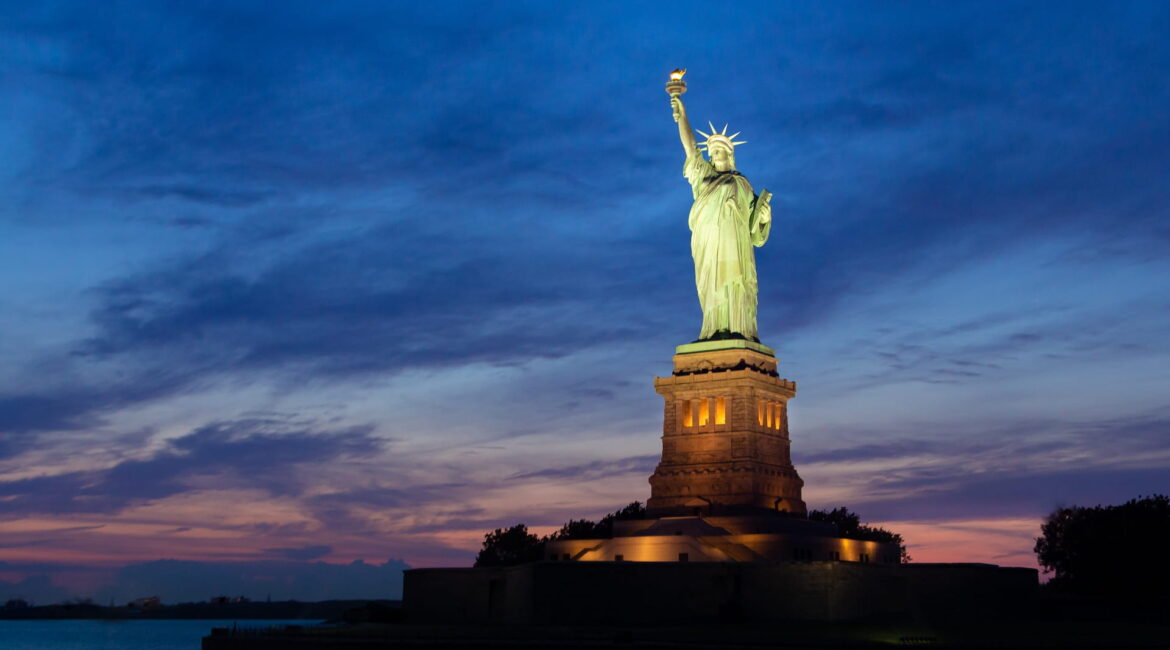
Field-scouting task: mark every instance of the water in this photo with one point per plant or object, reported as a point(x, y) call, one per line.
point(117, 635)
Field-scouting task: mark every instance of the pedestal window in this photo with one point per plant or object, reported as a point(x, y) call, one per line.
point(702, 412)
point(770, 414)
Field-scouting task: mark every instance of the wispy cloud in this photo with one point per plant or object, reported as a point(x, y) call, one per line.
point(247, 454)
point(595, 470)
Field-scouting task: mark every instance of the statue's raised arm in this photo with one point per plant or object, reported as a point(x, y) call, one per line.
point(684, 125)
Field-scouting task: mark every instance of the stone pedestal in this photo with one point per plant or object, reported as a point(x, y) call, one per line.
point(725, 444)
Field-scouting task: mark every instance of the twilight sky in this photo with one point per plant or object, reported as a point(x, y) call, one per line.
point(327, 282)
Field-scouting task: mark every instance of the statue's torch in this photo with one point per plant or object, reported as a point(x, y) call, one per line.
point(676, 86)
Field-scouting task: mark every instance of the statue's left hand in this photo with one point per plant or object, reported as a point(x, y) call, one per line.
point(764, 209)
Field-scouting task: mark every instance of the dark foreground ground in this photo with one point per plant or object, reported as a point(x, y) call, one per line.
point(989, 634)
point(1046, 624)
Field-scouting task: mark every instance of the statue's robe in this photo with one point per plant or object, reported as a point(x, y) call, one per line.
point(724, 228)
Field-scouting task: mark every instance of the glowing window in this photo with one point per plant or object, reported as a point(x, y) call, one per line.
point(768, 416)
point(704, 412)
point(760, 412)
point(720, 410)
point(688, 414)
point(779, 416)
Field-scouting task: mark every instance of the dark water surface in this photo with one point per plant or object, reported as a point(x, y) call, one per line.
point(117, 635)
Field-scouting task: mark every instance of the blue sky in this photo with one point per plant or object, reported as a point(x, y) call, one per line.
point(329, 283)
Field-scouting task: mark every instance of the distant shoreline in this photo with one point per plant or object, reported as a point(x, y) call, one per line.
point(289, 609)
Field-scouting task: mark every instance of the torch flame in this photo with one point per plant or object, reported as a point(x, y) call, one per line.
point(677, 75)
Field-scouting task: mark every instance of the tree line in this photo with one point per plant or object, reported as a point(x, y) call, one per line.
point(1105, 551)
point(516, 545)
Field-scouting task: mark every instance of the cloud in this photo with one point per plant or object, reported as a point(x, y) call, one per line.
point(227, 198)
point(36, 590)
point(875, 451)
point(468, 263)
point(1023, 469)
point(303, 553)
point(256, 453)
point(191, 101)
point(354, 307)
point(78, 406)
point(311, 308)
point(935, 498)
point(25, 413)
point(594, 470)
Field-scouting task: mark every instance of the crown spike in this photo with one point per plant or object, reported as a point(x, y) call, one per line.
point(705, 136)
point(724, 131)
point(732, 136)
point(713, 129)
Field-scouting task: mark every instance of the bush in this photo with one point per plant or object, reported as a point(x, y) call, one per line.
point(515, 545)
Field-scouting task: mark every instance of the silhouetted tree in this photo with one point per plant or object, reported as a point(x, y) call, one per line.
point(846, 521)
point(634, 510)
point(576, 529)
point(1109, 550)
point(849, 525)
point(586, 529)
point(515, 545)
point(509, 546)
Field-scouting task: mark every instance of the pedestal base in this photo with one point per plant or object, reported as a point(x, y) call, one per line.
point(725, 445)
point(751, 538)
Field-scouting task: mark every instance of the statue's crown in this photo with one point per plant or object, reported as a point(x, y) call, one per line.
point(720, 138)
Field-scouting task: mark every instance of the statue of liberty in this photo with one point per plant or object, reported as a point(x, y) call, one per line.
point(726, 221)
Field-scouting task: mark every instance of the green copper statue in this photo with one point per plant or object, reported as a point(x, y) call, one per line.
point(726, 221)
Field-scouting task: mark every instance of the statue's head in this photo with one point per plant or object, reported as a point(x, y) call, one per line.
point(720, 148)
point(722, 157)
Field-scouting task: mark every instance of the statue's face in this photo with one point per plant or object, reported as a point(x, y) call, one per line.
point(721, 159)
